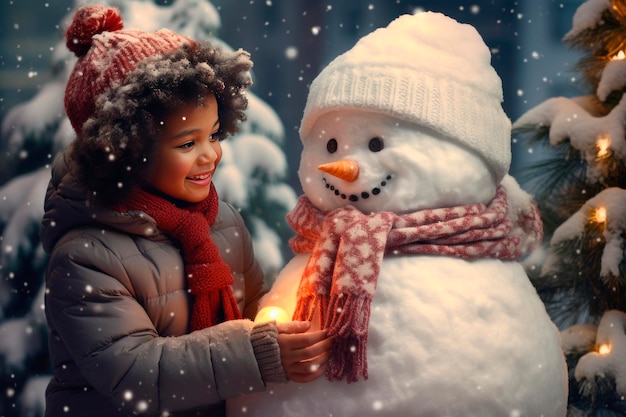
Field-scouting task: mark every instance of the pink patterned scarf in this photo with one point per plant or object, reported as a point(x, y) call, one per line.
point(347, 248)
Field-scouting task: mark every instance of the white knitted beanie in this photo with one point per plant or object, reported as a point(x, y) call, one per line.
point(424, 68)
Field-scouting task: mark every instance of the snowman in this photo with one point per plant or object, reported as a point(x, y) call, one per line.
point(408, 237)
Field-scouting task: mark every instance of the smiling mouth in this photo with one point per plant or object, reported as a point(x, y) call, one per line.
point(199, 177)
point(355, 197)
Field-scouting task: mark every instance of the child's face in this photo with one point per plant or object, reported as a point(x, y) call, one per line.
point(188, 152)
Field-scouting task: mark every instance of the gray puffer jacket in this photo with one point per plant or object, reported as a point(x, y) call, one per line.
point(118, 310)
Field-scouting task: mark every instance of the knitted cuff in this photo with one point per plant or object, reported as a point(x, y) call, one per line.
point(264, 338)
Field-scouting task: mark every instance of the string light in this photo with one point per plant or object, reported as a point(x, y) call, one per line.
point(602, 144)
point(620, 55)
point(604, 349)
point(619, 11)
point(600, 215)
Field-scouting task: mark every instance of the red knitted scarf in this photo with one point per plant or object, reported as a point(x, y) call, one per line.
point(208, 276)
point(347, 248)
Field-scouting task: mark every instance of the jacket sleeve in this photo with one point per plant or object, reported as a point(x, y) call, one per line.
point(116, 346)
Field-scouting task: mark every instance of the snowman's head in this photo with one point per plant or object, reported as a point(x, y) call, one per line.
point(406, 101)
point(379, 163)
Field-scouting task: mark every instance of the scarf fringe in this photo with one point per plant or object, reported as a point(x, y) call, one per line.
point(353, 365)
point(346, 317)
point(348, 324)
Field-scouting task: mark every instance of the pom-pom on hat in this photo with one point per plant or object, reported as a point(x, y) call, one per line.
point(424, 68)
point(106, 55)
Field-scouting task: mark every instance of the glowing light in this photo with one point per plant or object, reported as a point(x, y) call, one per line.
point(600, 215)
point(272, 313)
point(604, 349)
point(602, 144)
point(620, 55)
point(618, 10)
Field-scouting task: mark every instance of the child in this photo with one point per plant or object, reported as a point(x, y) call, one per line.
point(152, 280)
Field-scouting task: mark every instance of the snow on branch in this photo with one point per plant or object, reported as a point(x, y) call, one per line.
point(609, 361)
point(608, 207)
point(593, 136)
point(613, 77)
point(588, 16)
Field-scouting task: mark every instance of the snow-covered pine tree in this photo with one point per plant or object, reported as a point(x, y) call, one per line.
point(581, 192)
point(251, 176)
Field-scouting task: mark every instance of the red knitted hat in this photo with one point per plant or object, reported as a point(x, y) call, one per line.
point(106, 55)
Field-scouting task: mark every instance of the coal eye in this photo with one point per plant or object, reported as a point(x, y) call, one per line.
point(331, 146)
point(376, 144)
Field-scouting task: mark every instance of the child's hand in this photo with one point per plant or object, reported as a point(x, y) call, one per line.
point(303, 355)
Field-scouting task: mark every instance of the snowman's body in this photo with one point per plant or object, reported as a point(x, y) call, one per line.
point(447, 337)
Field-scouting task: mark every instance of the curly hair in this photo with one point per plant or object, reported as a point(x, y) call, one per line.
point(116, 145)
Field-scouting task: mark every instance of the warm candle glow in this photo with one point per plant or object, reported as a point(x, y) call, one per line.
point(600, 215)
point(604, 349)
point(620, 55)
point(272, 313)
point(602, 144)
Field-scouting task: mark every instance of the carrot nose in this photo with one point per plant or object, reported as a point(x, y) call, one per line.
point(346, 169)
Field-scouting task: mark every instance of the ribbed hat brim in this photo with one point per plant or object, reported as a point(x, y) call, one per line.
point(459, 111)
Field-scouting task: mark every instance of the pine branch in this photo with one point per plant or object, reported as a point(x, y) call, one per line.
point(558, 184)
point(566, 306)
point(600, 43)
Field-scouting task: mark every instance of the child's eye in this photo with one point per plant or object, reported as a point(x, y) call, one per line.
point(187, 145)
point(218, 135)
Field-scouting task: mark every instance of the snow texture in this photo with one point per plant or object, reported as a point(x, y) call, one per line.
point(445, 337)
point(613, 78)
point(579, 338)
